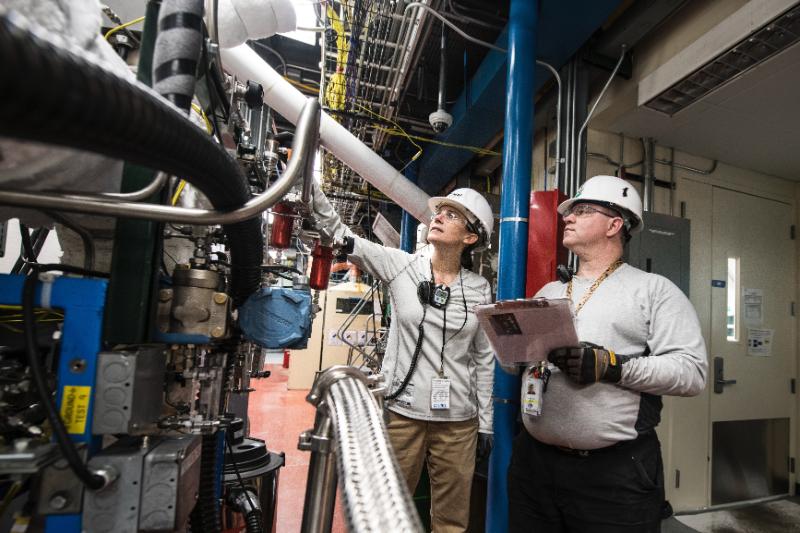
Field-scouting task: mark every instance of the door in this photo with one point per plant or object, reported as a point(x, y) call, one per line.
point(752, 346)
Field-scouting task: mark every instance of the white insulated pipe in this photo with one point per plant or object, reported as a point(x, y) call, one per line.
point(246, 64)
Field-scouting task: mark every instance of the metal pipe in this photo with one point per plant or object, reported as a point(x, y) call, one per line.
point(287, 101)
point(442, 70)
point(321, 484)
point(514, 212)
point(305, 140)
point(408, 225)
point(145, 192)
point(672, 182)
point(452, 26)
point(648, 150)
point(688, 168)
point(559, 159)
point(600, 97)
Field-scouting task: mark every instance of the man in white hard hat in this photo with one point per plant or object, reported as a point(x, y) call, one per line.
point(589, 460)
point(439, 366)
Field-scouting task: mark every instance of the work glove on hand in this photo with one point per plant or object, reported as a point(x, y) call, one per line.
point(484, 447)
point(588, 363)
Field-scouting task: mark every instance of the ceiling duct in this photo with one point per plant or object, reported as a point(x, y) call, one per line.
point(764, 42)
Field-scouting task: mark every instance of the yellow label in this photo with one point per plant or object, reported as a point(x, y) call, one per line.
point(75, 408)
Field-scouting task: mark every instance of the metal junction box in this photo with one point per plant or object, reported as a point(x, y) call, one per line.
point(662, 248)
point(129, 390)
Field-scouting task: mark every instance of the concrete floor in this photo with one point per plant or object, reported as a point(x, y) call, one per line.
point(781, 516)
point(278, 416)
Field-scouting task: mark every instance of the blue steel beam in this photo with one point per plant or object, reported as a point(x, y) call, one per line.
point(514, 208)
point(478, 112)
point(408, 224)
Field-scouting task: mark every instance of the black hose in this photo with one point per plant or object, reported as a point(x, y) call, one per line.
point(83, 233)
point(68, 450)
point(253, 522)
point(56, 96)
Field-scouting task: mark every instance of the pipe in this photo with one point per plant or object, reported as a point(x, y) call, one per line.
point(302, 146)
point(514, 212)
point(177, 50)
point(648, 149)
point(559, 158)
point(451, 25)
point(442, 70)
point(287, 101)
point(688, 168)
point(600, 97)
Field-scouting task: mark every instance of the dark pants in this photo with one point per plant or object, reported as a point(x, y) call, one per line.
point(619, 489)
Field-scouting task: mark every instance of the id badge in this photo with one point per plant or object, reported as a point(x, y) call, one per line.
point(440, 393)
point(534, 394)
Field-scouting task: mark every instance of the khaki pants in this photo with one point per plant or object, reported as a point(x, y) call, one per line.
point(449, 450)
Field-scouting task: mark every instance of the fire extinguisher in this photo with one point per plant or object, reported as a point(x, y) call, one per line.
point(320, 267)
point(282, 224)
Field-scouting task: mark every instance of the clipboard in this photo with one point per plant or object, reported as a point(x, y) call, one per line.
point(522, 332)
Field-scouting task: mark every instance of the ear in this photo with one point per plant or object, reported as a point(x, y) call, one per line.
point(470, 239)
point(615, 226)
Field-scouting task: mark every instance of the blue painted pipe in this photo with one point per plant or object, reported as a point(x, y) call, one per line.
point(514, 209)
point(408, 224)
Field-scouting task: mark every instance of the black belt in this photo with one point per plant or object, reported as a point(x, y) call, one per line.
point(598, 451)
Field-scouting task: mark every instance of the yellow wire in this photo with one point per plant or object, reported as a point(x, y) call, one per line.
point(199, 111)
point(112, 31)
point(396, 125)
point(478, 150)
point(310, 88)
point(178, 192)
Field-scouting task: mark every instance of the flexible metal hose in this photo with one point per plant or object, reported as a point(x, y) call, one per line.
point(375, 495)
point(55, 95)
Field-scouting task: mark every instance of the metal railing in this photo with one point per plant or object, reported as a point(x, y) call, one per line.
point(349, 443)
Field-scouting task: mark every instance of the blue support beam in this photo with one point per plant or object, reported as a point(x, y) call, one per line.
point(514, 208)
point(408, 224)
point(478, 112)
point(82, 301)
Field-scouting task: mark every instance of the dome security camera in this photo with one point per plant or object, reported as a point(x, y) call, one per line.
point(440, 120)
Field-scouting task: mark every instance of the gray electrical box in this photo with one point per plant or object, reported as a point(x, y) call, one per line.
point(129, 391)
point(170, 484)
point(662, 247)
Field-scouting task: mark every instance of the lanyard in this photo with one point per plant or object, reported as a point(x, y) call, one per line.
point(445, 340)
point(611, 268)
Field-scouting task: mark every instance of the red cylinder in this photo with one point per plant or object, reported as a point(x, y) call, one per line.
point(282, 224)
point(320, 267)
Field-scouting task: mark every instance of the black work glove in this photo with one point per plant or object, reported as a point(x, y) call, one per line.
point(588, 363)
point(484, 447)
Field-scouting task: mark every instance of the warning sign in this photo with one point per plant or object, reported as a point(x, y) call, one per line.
point(75, 408)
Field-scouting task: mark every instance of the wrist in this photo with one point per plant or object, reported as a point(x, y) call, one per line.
point(613, 373)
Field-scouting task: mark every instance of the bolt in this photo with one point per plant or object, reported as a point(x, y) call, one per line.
point(77, 365)
point(59, 501)
point(164, 295)
point(218, 332)
point(220, 298)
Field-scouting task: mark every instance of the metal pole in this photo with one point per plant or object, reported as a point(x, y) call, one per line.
point(321, 483)
point(514, 208)
point(408, 224)
point(649, 147)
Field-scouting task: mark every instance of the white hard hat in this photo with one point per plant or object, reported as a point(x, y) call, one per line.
point(473, 205)
point(612, 192)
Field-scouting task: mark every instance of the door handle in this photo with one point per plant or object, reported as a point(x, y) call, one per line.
point(719, 376)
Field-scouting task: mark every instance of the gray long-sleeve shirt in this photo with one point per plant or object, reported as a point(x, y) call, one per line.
point(629, 312)
point(468, 357)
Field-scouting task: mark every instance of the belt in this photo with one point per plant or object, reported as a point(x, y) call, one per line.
point(598, 451)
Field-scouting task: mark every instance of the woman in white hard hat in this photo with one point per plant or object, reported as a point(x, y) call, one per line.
point(438, 363)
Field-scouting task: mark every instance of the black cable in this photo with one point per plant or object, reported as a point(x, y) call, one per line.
point(27, 246)
point(39, 237)
point(83, 233)
point(241, 482)
point(272, 51)
point(414, 357)
point(68, 449)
